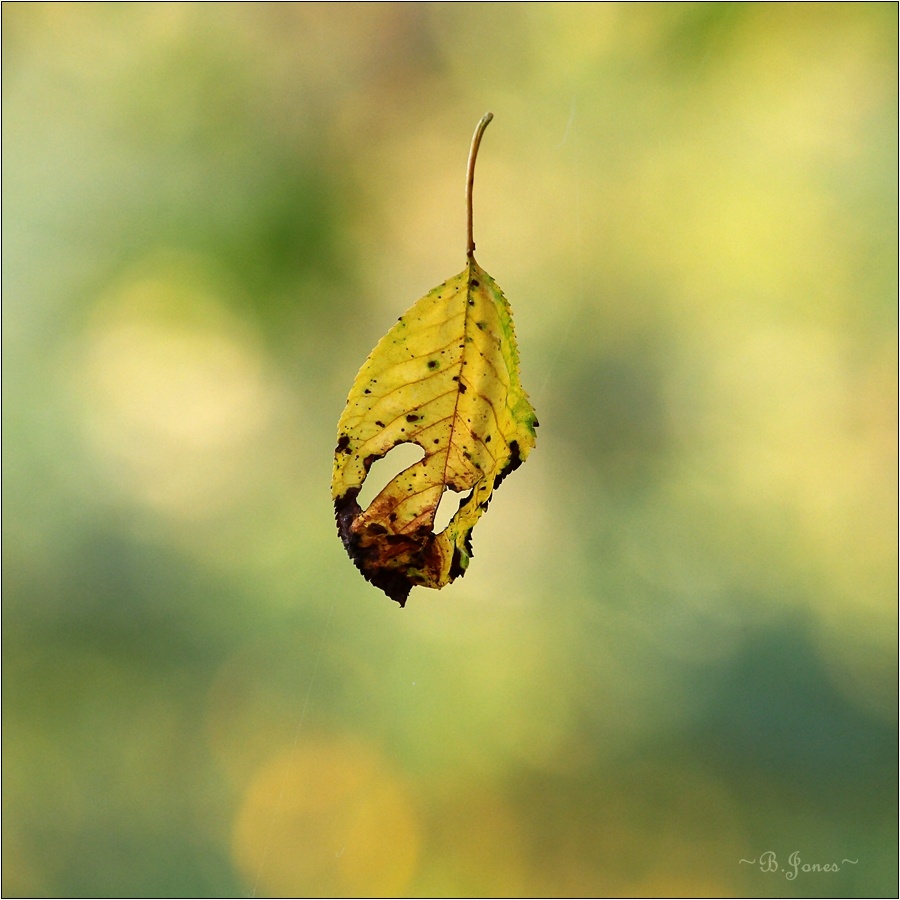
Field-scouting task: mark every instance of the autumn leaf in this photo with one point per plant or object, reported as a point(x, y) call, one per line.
point(445, 377)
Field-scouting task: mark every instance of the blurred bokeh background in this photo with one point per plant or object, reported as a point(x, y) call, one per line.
point(676, 646)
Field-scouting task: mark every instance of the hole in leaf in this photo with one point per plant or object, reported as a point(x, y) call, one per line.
point(383, 470)
point(447, 509)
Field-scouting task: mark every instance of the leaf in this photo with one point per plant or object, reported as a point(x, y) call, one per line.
point(445, 377)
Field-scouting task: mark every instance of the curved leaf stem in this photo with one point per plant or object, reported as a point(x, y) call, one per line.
point(470, 179)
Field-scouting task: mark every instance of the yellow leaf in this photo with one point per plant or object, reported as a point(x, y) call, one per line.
point(445, 377)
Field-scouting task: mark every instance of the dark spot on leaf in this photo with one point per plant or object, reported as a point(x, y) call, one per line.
point(487, 440)
point(432, 363)
point(343, 444)
point(474, 283)
point(456, 566)
point(481, 326)
point(367, 391)
point(412, 417)
point(393, 517)
point(346, 509)
point(375, 528)
point(379, 423)
point(462, 390)
point(515, 460)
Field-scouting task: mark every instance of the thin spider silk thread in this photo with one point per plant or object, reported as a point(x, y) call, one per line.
point(279, 803)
